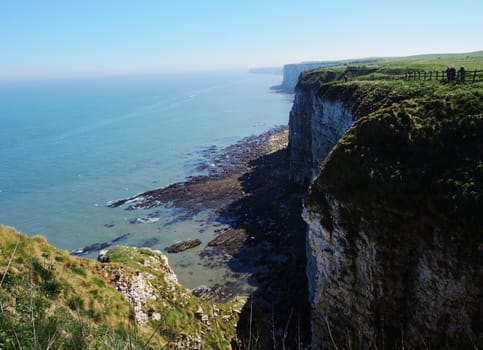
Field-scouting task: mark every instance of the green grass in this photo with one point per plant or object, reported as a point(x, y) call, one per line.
point(417, 144)
point(42, 293)
point(471, 60)
point(389, 68)
point(79, 270)
point(47, 295)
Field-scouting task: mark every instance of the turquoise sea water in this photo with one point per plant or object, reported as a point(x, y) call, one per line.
point(67, 147)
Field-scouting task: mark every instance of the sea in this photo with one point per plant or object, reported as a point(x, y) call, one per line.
point(70, 146)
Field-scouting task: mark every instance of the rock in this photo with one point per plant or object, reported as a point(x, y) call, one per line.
point(231, 239)
point(216, 293)
point(182, 246)
point(205, 319)
point(199, 313)
point(121, 237)
point(138, 291)
point(102, 257)
point(186, 341)
point(97, 246)
point(90, 248)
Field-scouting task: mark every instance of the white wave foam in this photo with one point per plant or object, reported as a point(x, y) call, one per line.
point(144, 220)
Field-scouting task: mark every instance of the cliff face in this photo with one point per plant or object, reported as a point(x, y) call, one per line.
point(321, 114)
point(394, 241)
point(293, 71)
point(291, 74)
point(316, 124)
point(372, 289)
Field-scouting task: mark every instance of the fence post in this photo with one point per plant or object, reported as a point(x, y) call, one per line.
point(437, 75)
point(430, 75)
point(474, 76)
point(424, 75)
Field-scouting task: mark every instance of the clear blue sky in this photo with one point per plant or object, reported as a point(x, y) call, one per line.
point(55, 38)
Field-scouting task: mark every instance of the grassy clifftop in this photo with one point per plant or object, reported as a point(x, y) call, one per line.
point(389, 68)
point(417, 145)
point(49, 299)
point(395, 239)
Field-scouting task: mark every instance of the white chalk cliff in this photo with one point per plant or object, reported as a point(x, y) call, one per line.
point(387, 266)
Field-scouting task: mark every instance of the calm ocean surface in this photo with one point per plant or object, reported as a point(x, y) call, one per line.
point(67, 147)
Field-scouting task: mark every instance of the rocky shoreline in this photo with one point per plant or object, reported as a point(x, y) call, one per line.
point(256, 212)
point(220, 185)
point(229, 182)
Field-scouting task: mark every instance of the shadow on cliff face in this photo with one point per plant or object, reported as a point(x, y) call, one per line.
point(269, 219)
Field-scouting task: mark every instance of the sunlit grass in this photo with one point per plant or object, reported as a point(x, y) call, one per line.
point(46, 293)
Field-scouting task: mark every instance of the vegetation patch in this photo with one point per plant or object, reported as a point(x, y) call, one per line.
point(421, 149)
point(49, 299)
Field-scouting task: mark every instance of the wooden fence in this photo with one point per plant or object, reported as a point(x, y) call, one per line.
point(457, 76)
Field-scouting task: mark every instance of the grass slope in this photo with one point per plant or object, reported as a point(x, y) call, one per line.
point(49, 299)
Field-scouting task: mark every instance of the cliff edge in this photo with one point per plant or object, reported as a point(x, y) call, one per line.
point(394, 239)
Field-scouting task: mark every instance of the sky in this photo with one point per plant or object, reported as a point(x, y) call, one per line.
point(63, 38)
